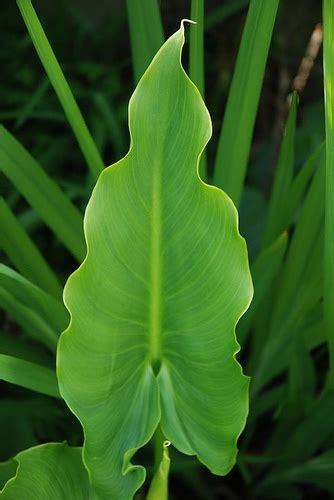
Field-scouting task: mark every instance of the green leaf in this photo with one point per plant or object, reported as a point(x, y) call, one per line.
point(222, 12)
point(29, 375)
point(318, 471)
point(154, 305)
point(52, 470)
point(24, 254)
point(276, 221)
point(146, 33)
point(31, 103)
point(27, 420)
point(112, 124)
point(61, 87)
point(300, 183)
point(159, 485)
point(328, 15)
point(23, 348)
point(300, 286)
point(42, 193)
point(320, 416)
point(239, 118)
point(38, 313)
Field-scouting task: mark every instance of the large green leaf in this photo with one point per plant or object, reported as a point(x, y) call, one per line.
point(52, 470)
point(155, 303)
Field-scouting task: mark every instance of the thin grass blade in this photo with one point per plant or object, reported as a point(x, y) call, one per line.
point(196, 61)
point(146, 33)
point(24, 254)
point(42, 193)
point(38, 313)
point(328, 15)
point(237, 129)
point(61, 87)
point(222, 12)
point(29, 375)
point(21, 347)
point(300, 286)
point(299, 184)
point(283, 178)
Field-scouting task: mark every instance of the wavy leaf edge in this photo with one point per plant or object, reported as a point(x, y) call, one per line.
point(127, 465)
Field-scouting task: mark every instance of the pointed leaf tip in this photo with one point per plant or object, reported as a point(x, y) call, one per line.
point(164, 282)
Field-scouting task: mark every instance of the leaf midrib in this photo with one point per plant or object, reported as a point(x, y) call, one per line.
point(155, 280)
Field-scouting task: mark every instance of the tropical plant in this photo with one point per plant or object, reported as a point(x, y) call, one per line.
point(142, 347)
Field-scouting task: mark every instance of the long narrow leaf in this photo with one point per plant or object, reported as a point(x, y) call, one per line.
point(42, 193)
point(38, 313)
point(328, 14)
point(222, 12)
point(300, 287)
point(283, 179)
point(24, 254)
point(29, 375)
point(239, 118)
point(61, 87)
point(196, 45)
point(196, 60)
point(19, 346)
point(318, 471)
point(32, 102)
point(299, 185)
point(146, 33)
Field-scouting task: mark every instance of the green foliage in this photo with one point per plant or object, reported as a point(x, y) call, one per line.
point(49, 471)
point(239, 118)
point(329, 205)
point(149, 353)
point(171, 300)
point(61, 87)
point(146, 33)
point(159, 486)
point(39, 189)
point(24, 254)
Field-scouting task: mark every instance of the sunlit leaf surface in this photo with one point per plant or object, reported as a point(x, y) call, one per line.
point(52, 470)
point(155, 303)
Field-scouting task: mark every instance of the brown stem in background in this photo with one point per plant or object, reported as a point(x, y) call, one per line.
point(307, 62)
